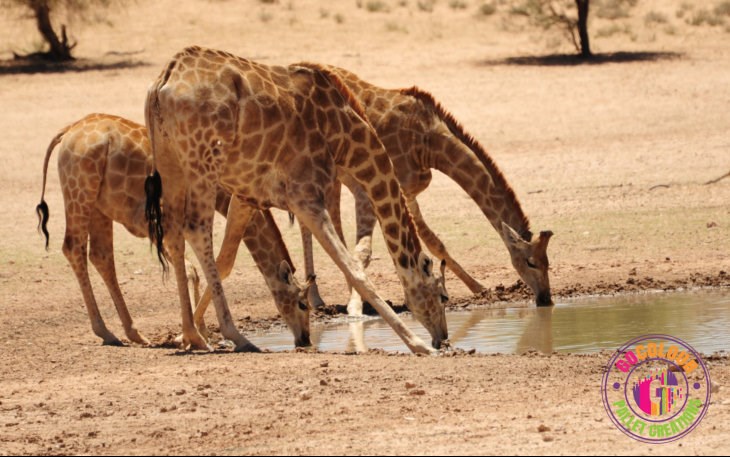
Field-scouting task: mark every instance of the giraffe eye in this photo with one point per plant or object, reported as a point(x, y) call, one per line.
point(302, 306)
point(444, 298)
point(531, 265)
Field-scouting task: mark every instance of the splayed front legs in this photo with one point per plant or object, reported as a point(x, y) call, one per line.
point(320, 224)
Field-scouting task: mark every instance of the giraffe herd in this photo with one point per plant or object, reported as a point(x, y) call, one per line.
point(235, 136)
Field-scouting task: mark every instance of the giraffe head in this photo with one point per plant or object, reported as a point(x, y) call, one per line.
point(291, 299)
point(529, 257)
point(427, 298)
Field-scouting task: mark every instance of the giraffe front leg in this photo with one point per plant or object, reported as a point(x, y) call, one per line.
point(317, 219)
point(437, 248)
point(366, 220)
point(101, 254)
point(313, 295)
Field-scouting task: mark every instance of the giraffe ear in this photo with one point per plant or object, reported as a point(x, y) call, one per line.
point(285, 272)
point(513, 239)
point(426, 264)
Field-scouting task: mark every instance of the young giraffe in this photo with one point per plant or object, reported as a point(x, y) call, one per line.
point(273, 136)
point(103, 161)
point(420, 135)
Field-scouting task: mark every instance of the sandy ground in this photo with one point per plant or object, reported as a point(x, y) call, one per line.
point(612, 157)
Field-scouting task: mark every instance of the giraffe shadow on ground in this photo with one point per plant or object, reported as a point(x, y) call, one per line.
point(568, 60)
point(35, 65)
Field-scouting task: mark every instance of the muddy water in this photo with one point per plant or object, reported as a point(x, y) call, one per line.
point(581, 326)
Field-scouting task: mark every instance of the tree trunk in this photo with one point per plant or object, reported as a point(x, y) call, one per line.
point(60, 49)
point(585, 47)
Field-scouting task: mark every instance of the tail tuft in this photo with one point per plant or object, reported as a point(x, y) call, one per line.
point(153, 214)
point(43, 216)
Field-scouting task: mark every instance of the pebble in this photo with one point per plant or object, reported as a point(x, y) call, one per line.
point(410, 384)
point(543, 428)
point(715, 387)
point(305, 395)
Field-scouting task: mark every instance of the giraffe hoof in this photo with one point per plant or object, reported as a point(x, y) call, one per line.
point(247, 347)
point(314, 298)
point(196, 343)
point(136, 337)
point(112, 342)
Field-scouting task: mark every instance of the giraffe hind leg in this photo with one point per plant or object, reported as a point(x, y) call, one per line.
point(74, 248)
point(101, 254)
point(199, 234)
point(238, 217)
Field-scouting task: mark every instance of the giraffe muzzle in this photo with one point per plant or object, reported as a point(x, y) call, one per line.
point(544, 299)
point(303, 341)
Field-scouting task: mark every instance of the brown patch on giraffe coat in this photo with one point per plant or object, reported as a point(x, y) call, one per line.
point(395, 191)
point(358, 157)
point(382, 161)
point(392, 230)
point(385, 210)
point(403, 260)
point(358, 134)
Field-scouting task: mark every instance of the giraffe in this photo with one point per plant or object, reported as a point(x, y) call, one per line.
point(273, 136)
point(420, 135)
point(103, 161)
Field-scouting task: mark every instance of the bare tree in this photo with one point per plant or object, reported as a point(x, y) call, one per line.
point(46, 12)
point(569, 15)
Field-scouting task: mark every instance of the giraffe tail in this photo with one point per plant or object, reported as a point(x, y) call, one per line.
point(42, 208)
point(153, 183)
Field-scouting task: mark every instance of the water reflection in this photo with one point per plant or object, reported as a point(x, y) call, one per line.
point(538, 333)
point(588, 325)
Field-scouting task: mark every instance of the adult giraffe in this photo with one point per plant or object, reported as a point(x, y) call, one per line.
point(420, 135)
point(273, 137)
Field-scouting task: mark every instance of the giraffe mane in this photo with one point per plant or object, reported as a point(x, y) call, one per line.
point(458, 131)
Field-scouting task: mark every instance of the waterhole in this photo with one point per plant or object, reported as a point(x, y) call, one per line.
point(702, 319)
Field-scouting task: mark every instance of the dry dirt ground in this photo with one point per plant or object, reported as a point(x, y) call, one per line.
point(612, 157)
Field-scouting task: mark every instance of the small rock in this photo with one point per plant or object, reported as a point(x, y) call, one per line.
point(418, 392)
point(410, 384)
point(711, 224)
point(547, 438)
point(322, 382)
point(542, 428)
point(715, 387)
point(305, 395)
point(324, 364)
point(180, 392)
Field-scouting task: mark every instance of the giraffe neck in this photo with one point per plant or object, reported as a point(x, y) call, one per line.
point(368, 164)
point(459, 156)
